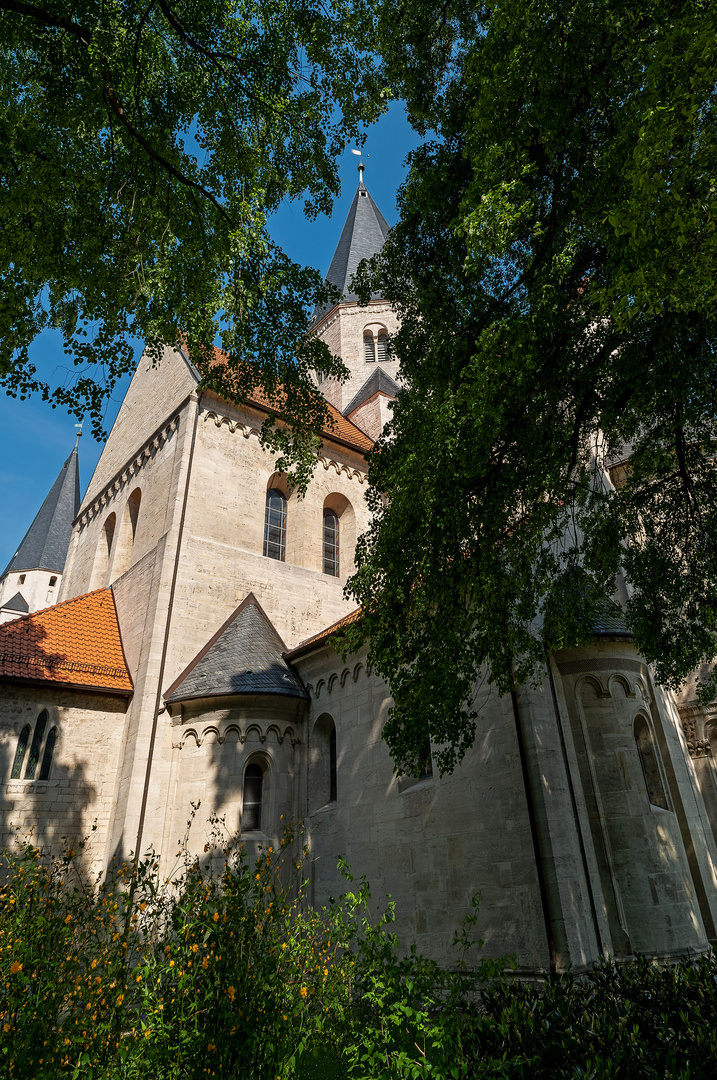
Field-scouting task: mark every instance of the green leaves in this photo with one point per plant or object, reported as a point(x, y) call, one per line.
point(554, 270)
point(142, 149)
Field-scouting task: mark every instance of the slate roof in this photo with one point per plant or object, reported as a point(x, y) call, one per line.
point(363, 236)
point(245, 656)
point(76, 643)
point(44, 545)
point(378, 382)
point(610, 622)
point(342, 431)
point(16, 603)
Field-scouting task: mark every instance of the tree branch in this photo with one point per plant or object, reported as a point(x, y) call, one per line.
point(34, 12)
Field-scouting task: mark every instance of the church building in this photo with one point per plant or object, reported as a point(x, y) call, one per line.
point(187, 660)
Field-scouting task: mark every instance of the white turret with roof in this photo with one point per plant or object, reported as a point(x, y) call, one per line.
point(31, 580)
point(359, 335)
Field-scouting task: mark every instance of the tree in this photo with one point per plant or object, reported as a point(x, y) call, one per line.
point(555, 272)
point(143, 145)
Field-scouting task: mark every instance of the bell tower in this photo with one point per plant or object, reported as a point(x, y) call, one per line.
point(359, 335)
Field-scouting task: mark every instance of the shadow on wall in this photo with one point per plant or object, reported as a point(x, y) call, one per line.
point(48, 813)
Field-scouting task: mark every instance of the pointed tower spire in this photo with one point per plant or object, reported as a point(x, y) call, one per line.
point(363, 236)
point(44, 545)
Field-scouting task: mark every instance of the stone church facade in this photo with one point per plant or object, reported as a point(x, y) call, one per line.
point(188, 660)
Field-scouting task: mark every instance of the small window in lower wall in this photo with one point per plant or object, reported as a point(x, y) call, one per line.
point(20, 752)
point(47, 756)
point(647, 752)
point(251, 803)
point(37, 737)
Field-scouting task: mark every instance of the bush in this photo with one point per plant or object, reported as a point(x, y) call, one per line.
point(224, 971)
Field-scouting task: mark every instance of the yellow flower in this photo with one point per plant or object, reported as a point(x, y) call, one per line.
point(304, 991)
point(216, 916)
point(68, 920)
point(205, 963)
point(120, 999)
point(283, 944)
point(171, 963)
point(195, 948)
point(15, 968)
point(142, 906)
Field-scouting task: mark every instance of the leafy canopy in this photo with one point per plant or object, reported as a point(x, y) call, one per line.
point(555, 272)
point(143, 145)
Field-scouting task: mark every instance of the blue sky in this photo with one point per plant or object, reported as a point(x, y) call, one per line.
point(35, 439)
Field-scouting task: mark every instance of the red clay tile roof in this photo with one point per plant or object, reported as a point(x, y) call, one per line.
point(76, 643)
point(317, 640)
point(343, 430)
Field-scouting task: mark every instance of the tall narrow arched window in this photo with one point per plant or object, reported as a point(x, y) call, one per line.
point(331, 543)
point(47, 756)
point(382, 345)
point(20, 752)
point(647, 752)
point(35, 746)
point(251, 803)
point(425, 768)
point(332, 765)
point(275, 525)
point(369, 349)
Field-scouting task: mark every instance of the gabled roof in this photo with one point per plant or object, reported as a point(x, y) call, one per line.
point(16, 603)
point(44, 545)
point(363, 236)
point(342, 431)
point(378, 382)
point(76, 643)
point(245, 656)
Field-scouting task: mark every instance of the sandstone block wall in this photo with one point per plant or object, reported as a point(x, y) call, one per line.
point(76, 802)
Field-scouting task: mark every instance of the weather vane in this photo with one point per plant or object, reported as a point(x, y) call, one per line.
point(79, 432)
point(361, 166)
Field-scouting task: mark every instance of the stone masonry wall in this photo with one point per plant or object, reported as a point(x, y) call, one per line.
point(79, 793)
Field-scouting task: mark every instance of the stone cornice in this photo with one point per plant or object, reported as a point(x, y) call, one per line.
point(247, 430)
point(149, 448)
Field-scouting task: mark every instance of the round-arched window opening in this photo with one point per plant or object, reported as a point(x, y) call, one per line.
point(251, 803)
point(275, 525)
point(331, 543)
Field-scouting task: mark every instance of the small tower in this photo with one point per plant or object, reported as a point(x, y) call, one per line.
point(32, 578)
point(359, 335)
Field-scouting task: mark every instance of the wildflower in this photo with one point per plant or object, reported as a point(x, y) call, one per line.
point(142, 906)
point(230, 993)
point(283, 944)
point(171, 963)
point(304, 991)
point(216, 916)
point(195, 948)
point(68, 920)
point(15, 968)
point(205, 963)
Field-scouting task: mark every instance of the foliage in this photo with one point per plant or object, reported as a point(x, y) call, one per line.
point(225, 971)
point(554, 269)
point(222, 970)
point(143, 146)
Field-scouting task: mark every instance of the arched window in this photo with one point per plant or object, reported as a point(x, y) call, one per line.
point(251, 803)
point(425, 761)
point(332, 765)
point(382, 345)
point(36, 744)
point(647, 752)
point(369, 353)
point(331, 543)
point(47, 756)
point(20, 752)
point(275, 525)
